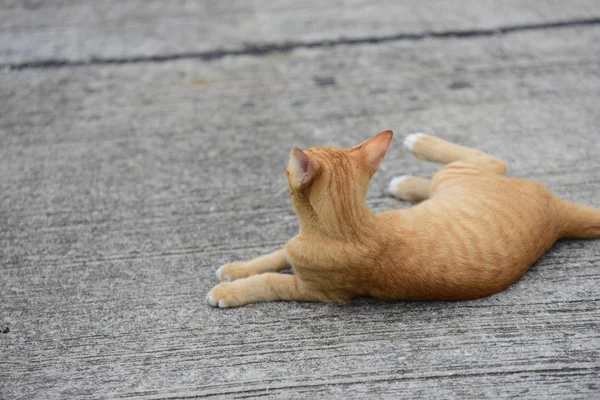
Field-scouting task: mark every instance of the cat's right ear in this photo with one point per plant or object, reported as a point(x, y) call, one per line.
point(302, 168)
point(374, 149)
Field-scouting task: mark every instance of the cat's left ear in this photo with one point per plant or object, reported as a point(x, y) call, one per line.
point(302, 168)
point(375, 148)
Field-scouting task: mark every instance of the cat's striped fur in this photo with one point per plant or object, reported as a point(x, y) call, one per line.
point(474, 233)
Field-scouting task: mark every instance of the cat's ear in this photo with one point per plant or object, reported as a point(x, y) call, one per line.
point(302, 168)
point(375, 148)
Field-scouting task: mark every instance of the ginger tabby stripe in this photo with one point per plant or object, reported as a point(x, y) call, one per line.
point(473, 234)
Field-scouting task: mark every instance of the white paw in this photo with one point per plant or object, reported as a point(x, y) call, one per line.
point(410, 140)
point(218, 273)
point(394, 183)
point(226, 278)
point(210, 299)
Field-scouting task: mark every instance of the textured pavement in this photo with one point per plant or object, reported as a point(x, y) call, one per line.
point(136, 141)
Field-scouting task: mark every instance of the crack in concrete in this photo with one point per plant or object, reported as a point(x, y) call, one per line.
point(288, 46)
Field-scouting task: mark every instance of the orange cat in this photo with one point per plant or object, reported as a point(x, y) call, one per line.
point(477, 232)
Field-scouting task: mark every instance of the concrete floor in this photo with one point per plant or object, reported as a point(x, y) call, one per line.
point(136, 139)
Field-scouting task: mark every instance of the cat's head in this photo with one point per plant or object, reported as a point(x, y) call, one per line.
point(332, 182)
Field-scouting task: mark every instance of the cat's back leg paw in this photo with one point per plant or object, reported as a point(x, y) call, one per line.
point(410, 188)
point(411, 140)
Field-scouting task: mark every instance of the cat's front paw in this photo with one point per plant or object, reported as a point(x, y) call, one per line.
point(224, 296)
point(231, 272)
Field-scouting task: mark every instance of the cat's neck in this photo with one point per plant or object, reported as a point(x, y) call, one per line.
point(343, 223)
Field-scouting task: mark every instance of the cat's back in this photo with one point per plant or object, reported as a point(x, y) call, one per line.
point(493, 199)
point(483, 231)
point(491, 204)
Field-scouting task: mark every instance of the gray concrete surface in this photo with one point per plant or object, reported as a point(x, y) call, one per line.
point(74, 30)
point(124, 185)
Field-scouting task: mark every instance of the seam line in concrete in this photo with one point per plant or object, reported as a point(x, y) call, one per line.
point(285, 47)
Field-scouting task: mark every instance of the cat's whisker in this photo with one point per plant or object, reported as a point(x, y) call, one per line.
point(275, 196)
point(275, 185)
point(328, 143)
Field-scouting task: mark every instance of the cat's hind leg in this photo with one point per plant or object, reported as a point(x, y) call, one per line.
point(410, 188)
point(434, 149)
point(273, 262)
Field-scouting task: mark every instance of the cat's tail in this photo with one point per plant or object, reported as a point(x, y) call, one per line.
point(580, 222)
